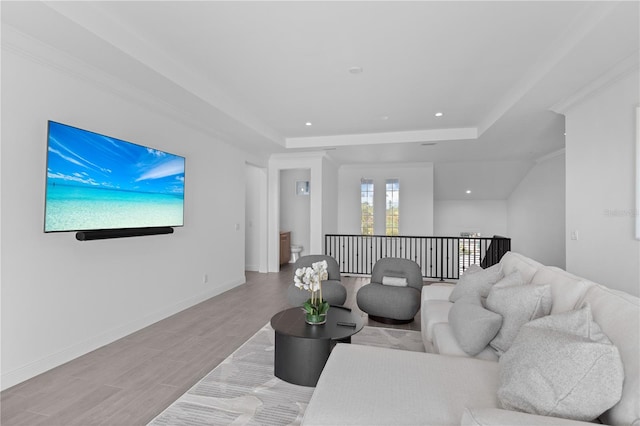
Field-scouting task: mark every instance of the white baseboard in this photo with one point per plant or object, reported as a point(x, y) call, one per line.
point(32, 369)
point(252, 268)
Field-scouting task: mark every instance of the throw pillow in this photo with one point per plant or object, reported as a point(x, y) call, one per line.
point(472, 325)
point(518, 304)
point(579, 322)
point(473, 268)
point(513, 279)
point(476, 282)
point(556, 368)
point(394, 281)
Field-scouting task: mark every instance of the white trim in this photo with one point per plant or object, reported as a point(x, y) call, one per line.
point(312, 161)
point(99, 21)
point(551, 155)
point(412, 136)
point(287, 157)
point(33, 49)
point(637, 212)
point(576, 32)
point(403, 165)
point(619, 71)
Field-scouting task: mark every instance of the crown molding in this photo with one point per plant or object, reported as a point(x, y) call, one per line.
point(36, 51)
point(463, 133)
point(550, 156)
point(582, 26)
point(412, 165)
point(98, 21)
point(619, 71)
point(298, 155)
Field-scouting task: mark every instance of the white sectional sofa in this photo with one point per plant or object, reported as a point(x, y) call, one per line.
point(374, 386)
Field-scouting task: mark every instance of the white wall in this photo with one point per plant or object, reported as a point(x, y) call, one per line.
point(536, 212)
point(416, 197)
point(255, 219)
point(62, 298)
point(488, 217)
point(600, 191)
point(329, 198)
point(295, 209)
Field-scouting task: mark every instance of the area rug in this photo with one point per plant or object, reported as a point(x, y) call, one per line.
point(242, 390)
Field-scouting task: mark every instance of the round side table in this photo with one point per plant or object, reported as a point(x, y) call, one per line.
point(302, 350)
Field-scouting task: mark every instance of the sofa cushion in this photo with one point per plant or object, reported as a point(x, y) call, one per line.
point(445, 343)
point(437, 291)
point(578, 322)
point(434, 312)
point(512, 261)
point(513, 279)
point(561, 365)
point(370, 385)
point(497, 416)
point(518, 304)
point(566, 289)
point(476, 282)
point(617, 315)
point(472, 325)
point(400, 303)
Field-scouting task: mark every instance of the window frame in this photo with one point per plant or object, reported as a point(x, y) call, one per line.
point(367, 218)
point(392, 207)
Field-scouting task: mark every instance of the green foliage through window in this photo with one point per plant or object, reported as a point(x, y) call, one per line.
point(393, 201)
point(366, 209)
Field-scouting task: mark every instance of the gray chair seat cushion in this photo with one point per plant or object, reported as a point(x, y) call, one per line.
point(398, 303)
point(332, 291)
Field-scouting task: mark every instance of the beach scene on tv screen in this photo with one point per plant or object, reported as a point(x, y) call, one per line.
point(98, 182)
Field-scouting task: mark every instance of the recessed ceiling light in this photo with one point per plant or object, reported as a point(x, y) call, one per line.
point(439, 114)
point(468, 191)
point(308, 123)
point(384, 117)
point(355, 70)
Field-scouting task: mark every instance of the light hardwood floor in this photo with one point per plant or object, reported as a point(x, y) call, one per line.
point(131, 380)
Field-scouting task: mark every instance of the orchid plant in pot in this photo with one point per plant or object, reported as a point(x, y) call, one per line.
point(310, 278)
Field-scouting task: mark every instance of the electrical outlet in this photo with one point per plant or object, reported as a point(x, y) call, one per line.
point(574, 235)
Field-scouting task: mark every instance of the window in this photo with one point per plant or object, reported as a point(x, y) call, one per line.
point(392, 214)
point(366, 209)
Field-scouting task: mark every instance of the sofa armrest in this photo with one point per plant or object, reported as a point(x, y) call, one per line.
point(437, 291)
point(498, 417)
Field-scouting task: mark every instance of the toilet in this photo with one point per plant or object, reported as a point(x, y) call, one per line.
point(295, 253)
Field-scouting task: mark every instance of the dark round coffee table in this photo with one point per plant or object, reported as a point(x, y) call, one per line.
point(302, 350)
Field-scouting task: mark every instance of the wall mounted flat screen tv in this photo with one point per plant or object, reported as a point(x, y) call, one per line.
point(97, 182)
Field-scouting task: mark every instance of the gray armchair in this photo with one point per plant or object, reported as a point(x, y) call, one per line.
point(392, 304)
point(332, 289)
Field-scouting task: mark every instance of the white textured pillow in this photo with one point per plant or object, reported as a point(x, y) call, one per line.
point(578, 322)
point(476, 282)
point(472, 325)
point(394, 281)
point(472, 269)
point(518, 304)
point(513, 279)
point(562, 366)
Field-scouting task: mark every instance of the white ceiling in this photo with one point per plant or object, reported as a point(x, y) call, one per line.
point(253, 73)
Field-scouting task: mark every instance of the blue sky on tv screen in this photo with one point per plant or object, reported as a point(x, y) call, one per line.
point(81, 158)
